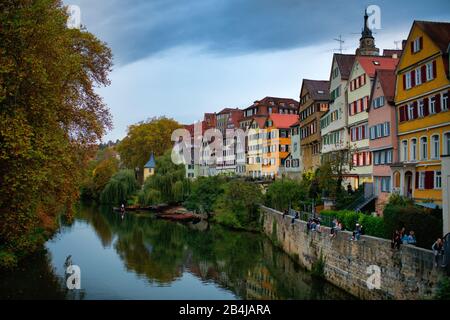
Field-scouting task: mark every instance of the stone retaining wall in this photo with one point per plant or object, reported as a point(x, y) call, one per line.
point(408, 273)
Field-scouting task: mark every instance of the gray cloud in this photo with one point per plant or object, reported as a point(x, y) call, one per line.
point(141, 28)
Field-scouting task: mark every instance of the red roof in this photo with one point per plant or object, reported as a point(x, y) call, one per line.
point(373, 63)
point(283, 121)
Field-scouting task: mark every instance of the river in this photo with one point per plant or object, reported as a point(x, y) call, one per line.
point(140, 257)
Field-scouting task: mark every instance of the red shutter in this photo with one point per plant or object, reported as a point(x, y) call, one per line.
point(404, 82)
point(437, 99)
point(354, 107)
point(434, 69)
point(423, 73)
point(413, 78)
point(421, 43)
point(401, 111)
point(426, 110)
point(412, 46)
point(415, 111)
point(429, 180)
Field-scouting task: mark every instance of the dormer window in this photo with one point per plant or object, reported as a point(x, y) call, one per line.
point(377, 63)
point(320, 91)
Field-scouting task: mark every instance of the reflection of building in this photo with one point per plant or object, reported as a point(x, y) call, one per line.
point(149, 168)
point(424, 118)
point(260, 285)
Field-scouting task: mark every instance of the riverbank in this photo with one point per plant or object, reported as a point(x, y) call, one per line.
point(408, 273)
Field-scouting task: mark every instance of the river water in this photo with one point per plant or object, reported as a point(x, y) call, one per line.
point(140, 257)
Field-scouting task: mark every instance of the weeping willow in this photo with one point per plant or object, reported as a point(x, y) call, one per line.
point(119, 188)
point(168, 184)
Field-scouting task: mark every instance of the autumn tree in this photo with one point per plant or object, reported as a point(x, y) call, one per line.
point(50, 117)
point(144, 138)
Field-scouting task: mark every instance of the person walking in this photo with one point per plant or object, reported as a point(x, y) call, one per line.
point(438, 250)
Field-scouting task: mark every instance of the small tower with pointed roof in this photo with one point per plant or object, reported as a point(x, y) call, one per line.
point(149, 168)
point(367, 41)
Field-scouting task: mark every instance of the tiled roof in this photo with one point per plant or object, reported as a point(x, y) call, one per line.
point(318, 89)
point(283, 121)
point(439, 32)
point(261, 121)
point(345, 63)
point(391, 52)
point(373, 63)
point(277, 101)
point(151, 162)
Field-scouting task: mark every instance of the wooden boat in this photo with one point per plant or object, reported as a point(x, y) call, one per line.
point(179, 217)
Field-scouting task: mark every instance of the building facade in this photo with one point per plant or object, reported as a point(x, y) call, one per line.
point(383, 145)
point(314, 100)
point(421, 100)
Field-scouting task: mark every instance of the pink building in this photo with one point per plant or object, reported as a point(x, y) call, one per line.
point(383, 134)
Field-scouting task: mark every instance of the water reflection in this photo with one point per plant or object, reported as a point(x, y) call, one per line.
point(155, 259)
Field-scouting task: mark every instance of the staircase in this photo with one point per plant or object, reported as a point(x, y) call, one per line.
point(360, 203)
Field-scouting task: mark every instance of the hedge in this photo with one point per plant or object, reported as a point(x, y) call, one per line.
point(373, 226)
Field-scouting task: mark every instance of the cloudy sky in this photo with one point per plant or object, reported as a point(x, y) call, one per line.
point(181, 58)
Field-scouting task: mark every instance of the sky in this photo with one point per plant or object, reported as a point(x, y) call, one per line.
point(182, 58)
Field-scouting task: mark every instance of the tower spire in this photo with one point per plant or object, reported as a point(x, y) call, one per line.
point(367, 41)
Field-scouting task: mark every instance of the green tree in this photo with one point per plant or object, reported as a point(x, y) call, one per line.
point(153, 135)
point(119, 188)
point(284, 193)
point(168, 185)
point(50, 117)
point(204, 193)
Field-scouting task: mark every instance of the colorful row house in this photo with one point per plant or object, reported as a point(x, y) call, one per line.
point(421, 99)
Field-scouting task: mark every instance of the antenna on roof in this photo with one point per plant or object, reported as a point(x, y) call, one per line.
point(397, 43)
point(341, 42)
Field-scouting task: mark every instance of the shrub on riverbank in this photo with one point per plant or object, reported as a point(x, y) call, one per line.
point(204, 193)
point(426, 223)
point(373, 226)
point(285, 193)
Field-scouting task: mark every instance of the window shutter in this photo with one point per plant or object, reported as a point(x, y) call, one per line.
point(363, 132)
point(429, 180)
point(412, 46)
point(423, 74)
point(401, 111)
point(434, 69)
point(354, 107)
point(437, 99)
point(413, 78)
point(417, 180)
point(404, 82)
point(426, 110)
point(420, 43)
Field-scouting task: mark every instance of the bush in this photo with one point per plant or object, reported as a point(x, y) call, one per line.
point(443, 292)
point(284, 193)
point(7, 260)
point(204, 193)
point(373, 226)
point(426, 224)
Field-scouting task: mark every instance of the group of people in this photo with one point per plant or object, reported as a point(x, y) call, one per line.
point(402, 237)
point(313, 224)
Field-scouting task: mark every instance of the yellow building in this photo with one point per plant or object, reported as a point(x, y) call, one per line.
point(276, 142)
point(255, 134)
point(423, 115)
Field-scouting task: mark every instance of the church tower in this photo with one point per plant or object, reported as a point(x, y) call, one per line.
point(367, 41)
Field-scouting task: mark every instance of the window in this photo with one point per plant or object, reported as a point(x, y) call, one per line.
point(432, 102)
point(437, 179)
point(418, 79)
point(413, 150)
point(421, 105)
point(444, 101)
point(408, 80)
point(387, 129)
point(411, 111)
point(429, 69)
point(416, 45)
point(404, 151)
point(435, 147)
point(385, 184)
point(423, 148)
point(378, 102)
point(421, 180)
point(447, 143)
